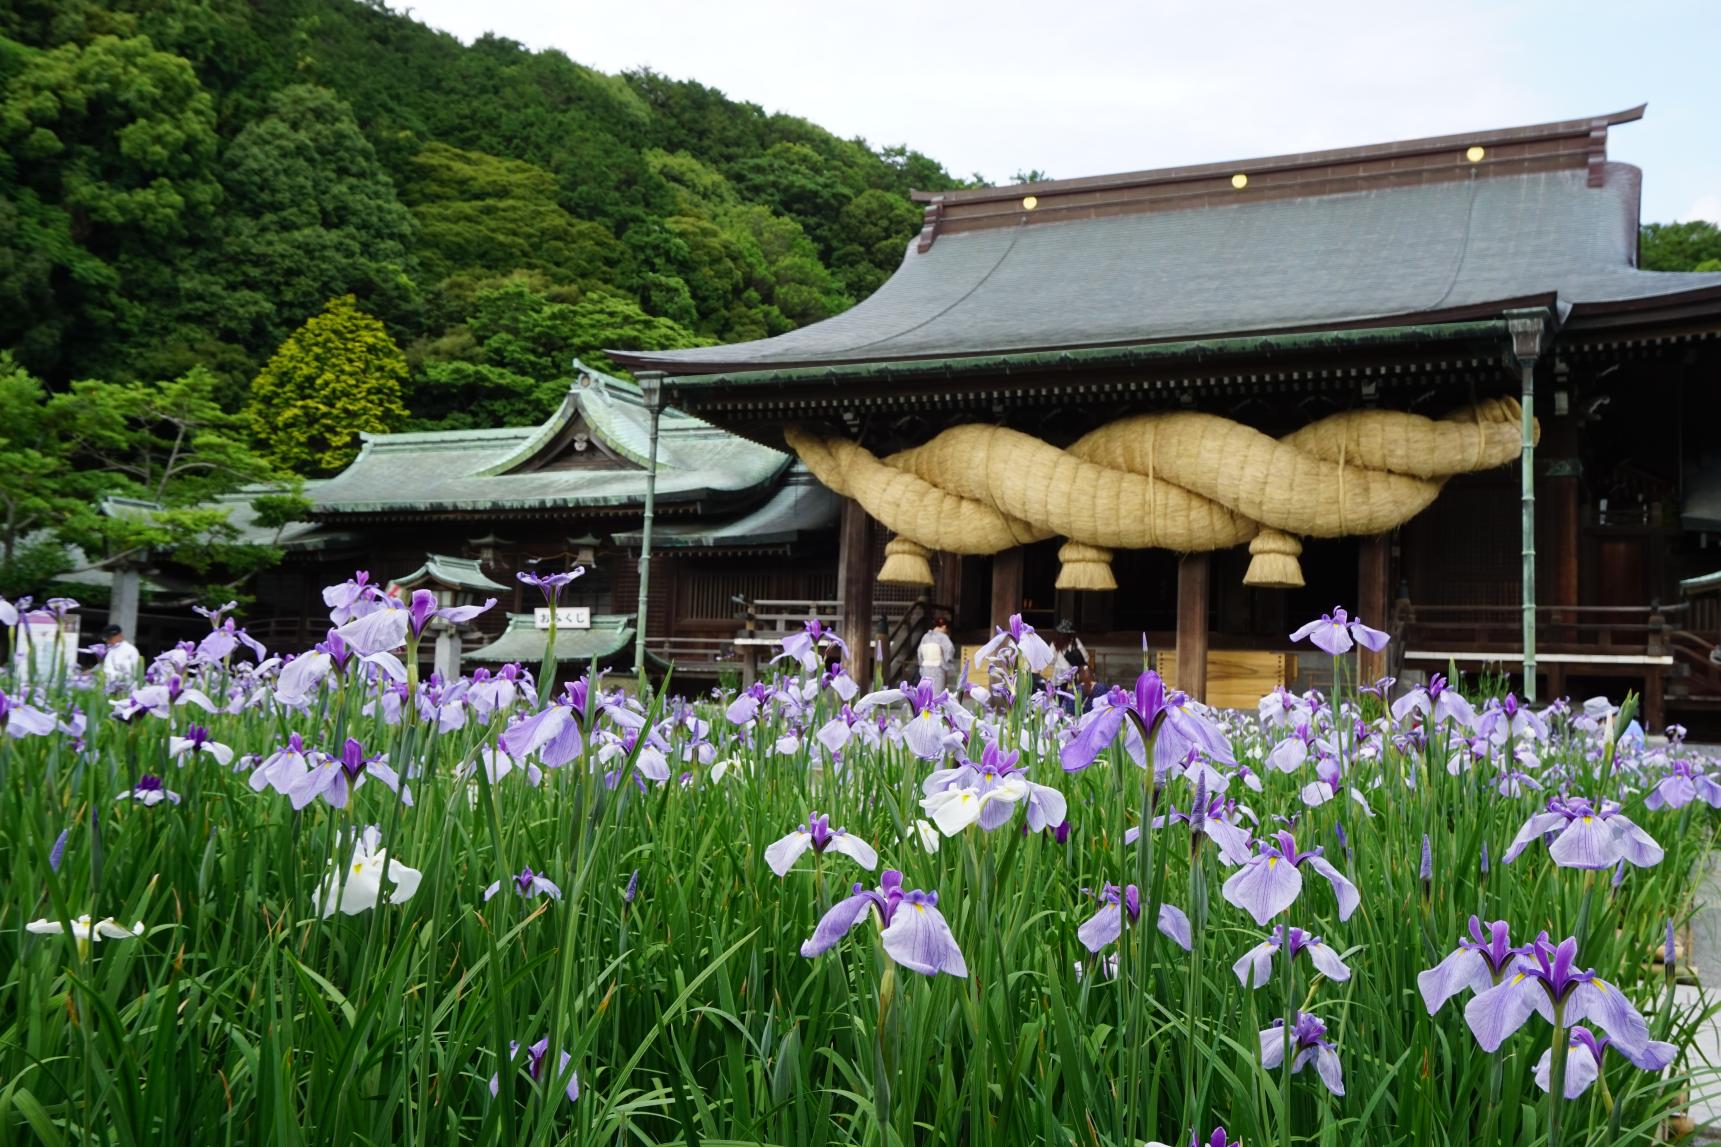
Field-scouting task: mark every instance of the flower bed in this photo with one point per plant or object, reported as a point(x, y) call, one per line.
point(314, 897)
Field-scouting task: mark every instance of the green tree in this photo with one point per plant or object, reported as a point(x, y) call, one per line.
point(108, 151)
point(36, 475)
point(124, 468)
point(478, 212)
point(310, 215)
point(611, 321)
point(509, 364)
point(871, 234)
point(337, 375)
point(1693, 246)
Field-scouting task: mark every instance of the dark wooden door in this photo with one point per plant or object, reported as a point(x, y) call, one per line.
point(1621, 568)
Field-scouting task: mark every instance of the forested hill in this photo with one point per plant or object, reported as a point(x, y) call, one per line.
point(190, 183)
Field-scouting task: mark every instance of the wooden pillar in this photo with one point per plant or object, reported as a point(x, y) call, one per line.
point(1006, 585)
point(1373, 591)
point(947, 584)
point(855, 574)
point(1193, 576)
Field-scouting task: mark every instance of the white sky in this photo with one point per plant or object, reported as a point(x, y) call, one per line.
point(1079, 88)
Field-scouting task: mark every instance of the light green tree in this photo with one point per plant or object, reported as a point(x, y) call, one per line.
point(337, 375)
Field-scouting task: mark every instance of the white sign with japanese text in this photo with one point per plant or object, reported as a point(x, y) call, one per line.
point(567, 617)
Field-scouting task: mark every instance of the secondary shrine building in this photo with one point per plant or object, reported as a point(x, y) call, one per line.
point(1207, 403)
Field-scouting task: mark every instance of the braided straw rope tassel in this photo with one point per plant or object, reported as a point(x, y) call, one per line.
point(1184, 481)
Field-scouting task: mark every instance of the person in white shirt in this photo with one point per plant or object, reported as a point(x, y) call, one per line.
point(937, 653)
point(122, 660)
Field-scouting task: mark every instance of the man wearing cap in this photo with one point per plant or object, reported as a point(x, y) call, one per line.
point(122, 660)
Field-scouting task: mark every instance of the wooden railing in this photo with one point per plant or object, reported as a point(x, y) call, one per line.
point(1622, 630)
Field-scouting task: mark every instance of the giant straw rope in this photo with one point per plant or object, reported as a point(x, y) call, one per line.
point(1182, 481)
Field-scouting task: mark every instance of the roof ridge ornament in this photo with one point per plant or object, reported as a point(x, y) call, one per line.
point(930, 220)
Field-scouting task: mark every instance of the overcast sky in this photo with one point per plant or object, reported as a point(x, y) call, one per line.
point(1076, 88)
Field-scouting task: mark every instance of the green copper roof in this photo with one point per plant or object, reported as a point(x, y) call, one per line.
point(475, 471)
point(456, 573)
point(801, 506)
point(611, 634)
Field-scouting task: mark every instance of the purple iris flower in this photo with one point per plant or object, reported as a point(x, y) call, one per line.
point(1478, 963)
point(1271, 879)
point(1589, 837)
point(334, 778)
point(557, 733)
point(1335, 632)
point(929, 732)
point(914, 934)
point(1214, 818)
point(21, 720)
point(749, 704)
point(1584, 1061)
point(149, 792)
point(387, 628)
point(1510, 718)
point(216, 613)
point(219, 645)
point(58, 852)
point(1308, 1042)
point(1438, 704)
point(1254, 969)
point(197, 742)
point(632, 889)
point(284, 766)
point(1219, 1138)
point(1289, 754)
point(551, 584)
point(988, 792)
point(1174, 729)
point(818, 835)
point(535, 1056)
point(352, 599)
point(1022, 637)
point(804, 647)
point(1105, 926)
point(1329, 782)
point(528, 884)
point(1545, 981)
point(1685, 782)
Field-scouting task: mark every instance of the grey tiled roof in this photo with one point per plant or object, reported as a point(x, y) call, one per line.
point(1273, 264)
point(477, 470)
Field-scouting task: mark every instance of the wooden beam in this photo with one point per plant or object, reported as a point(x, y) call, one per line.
point(1193, 578)
point(1374, 593)
point(1006, 585)
point(856, 568)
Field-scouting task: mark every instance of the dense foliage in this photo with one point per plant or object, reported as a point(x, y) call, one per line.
point(224, 191)
point(581, 917)
point(187, 182)
point(1692, 246)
